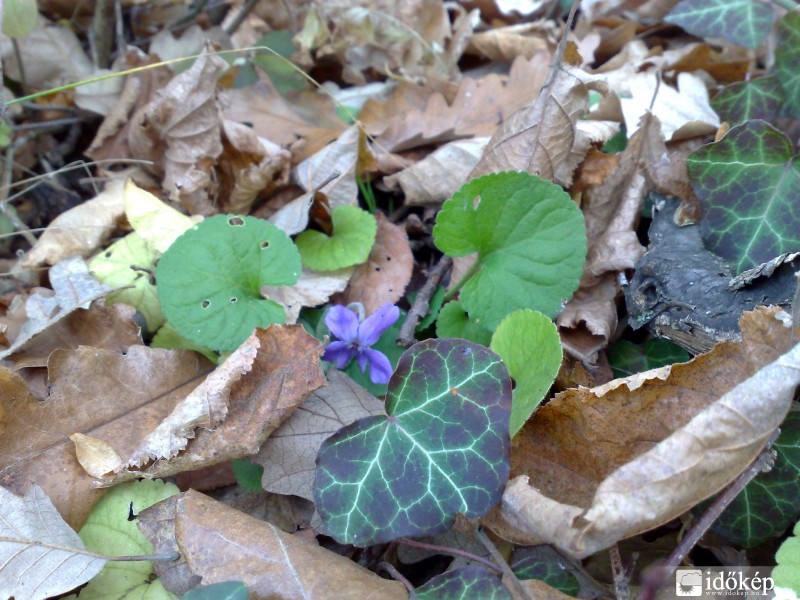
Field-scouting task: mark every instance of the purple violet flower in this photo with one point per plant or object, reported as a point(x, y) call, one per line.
point(357, 335)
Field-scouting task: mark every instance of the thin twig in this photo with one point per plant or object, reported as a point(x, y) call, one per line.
point(621, 578)
point(659, 576)
point(501, 562)
point(241, 16)
point(423, 301)
point(83, 552)
point(452, 552)
point(9, 212)
point(397, 576)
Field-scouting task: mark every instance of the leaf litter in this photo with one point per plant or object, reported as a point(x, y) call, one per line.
point(410, 101)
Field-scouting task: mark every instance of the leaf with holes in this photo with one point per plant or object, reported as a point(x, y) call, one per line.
point(466, 583)
point(530, 239)
point(453, 322)
point(758, 99)
point(209, 279)
point(771, 502)
point(354, 232)
point(442, 450)
point(786, 52)
point(529, 344)
point(743, 22)
point(130, 264)
point(749, 187)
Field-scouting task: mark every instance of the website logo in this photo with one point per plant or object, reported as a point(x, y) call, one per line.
point(689, 582)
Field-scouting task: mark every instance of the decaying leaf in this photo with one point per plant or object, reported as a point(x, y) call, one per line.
point(73, 288)
point(37, 559)
point(231, 414)
point(289, 455)
point(312, 289)
point(385, 275)
point(272, 564)
point(97, 457)
point(583, 481)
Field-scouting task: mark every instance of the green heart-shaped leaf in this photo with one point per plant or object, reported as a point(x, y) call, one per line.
point(749, 186)
point(758, 99)
point(453, 322)
point(466, 583)
point(209, 279)
point(529, 344)
point(743, 22)
point(786, 52)
point(354, 232)
point(442, 450)
point(530, 239)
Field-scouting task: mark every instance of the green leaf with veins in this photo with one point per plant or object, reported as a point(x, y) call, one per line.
point(209, 279)
point(530, 239)
point(443, 448)
point(758, 99)
point(787, 571)
point(627, 358)
point(749, 186)
point(465, 583)
point(770, 503)
point(453, 322)
point(353, 236)
point(130, 263)
point(787, 50)
point(529, 344)
point(527, 565)
point(743, 22)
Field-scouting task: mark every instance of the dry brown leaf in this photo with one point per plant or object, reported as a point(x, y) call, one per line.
point(242, 410)
point(385, 275)
point(180, 131)
point(312, 289)
point(414, 117)
point(73, 287)
point(582, 481)
point(107, 395)
point(97, 457)
point(273, 564)
point(80, 230)
point(439, 175)
point(540, 137)
point(506, 43)
point(289, 455)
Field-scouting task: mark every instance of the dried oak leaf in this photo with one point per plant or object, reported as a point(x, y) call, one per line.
point(101, 393)
point(273, 564)
point(289, 455)
point(233, 411)
point(594, 466)
point(180, 131)
point(385, 275)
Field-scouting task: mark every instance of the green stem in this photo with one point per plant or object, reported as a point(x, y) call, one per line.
point(787, 4)
point(467, 276)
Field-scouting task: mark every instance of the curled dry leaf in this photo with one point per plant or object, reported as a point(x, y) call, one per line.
point(582, 482)
point(101, 393)
point(180, 131)
point(73, 288)
point(96, 456)
point(337, 160)
point(312, 289)
point(231, 415)
point(385, 275)
point(272, 563)
point(289, 455)
point(46, 560)
point(80, 230)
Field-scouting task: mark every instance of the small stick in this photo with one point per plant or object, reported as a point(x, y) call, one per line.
point(452, 552)
point(501, 562)
point(422, 302)
point(397, 576)
point(659, 577)
point(621, 578)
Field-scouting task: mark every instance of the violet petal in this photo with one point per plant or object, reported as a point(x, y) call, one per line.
point(339, 353)
point(374, 325)
point(342, 322)
point(362, 360)
point(380, 369)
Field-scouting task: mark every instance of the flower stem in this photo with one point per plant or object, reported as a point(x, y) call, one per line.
point(461, 282)
point(452, 552)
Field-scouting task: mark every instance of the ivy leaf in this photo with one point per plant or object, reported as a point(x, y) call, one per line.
point(771, 502)
point(466, 583)
point(130, 263)
point(453, 322)
point(442, 450)
point(529, 344)
point(749, 187)
point(627, 358)
point(531, 563)
point(787, 572)
point(354, 232)
point(530, 239)
point(787, 50)
point(108, 530)
point(758, 99)
point(743, 22)
point(209, 279)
